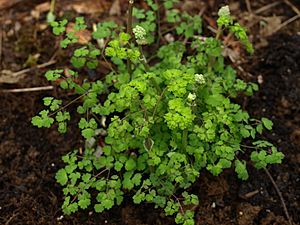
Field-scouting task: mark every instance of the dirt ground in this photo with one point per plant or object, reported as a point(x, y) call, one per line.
point(30, 157)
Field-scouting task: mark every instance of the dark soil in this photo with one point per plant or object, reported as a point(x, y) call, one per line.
point(30, 157)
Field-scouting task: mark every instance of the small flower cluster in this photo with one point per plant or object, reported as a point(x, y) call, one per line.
point(199, 78)
point(224, 11)
point(139, 34)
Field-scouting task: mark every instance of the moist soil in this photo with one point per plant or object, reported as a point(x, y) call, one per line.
point(30, 157)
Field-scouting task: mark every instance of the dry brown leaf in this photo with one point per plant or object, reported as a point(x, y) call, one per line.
point(89, 6)
point(192, 5)
point(115, 9)
point(44, 7)
point(8, 3)
point(269, 25)
point(10, 77)
point(83, 35)
point(232, 54)
point(41, 8)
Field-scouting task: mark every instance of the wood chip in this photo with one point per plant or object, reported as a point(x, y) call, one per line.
point(251, 194)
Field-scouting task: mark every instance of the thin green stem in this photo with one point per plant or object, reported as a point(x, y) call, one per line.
point(184, 138)
point(158, 101)
point(71, 102)
point(95, 176)
point(144, 60)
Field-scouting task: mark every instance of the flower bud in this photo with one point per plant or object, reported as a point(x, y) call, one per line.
point(199, 78)
point(191, 97)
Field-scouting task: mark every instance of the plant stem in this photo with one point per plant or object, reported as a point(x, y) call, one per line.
point(71, 102)
point(52, 6)
point(158, 23)
point(219, 32)
point(180, 206)
point(184, 138)
point(158, 101)
point(129, 31)
point(144, 60)
point(147, 67)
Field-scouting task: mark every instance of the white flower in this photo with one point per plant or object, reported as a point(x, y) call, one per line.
point(224, 11)
point(199, 78)
point(139, 32)
point(191, 97)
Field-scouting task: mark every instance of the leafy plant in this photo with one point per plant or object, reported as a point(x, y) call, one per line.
point(168, 120)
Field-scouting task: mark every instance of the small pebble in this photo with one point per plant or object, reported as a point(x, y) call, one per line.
point(169, 38)
point(213, 205)
point(60, 218)
point(260, 79)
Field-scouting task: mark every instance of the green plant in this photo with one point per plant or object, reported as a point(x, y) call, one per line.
point(168, 120)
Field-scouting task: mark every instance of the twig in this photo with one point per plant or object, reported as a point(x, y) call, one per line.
point(1, 46)
point(280, 196)
point(51, 62)
point(18, 90)
point(180, 206)
point(285, 23)
point(11, 218)
point(244, 72)
point(215, 31)
point(267, 7)
point(249, 6)
point(294, 8)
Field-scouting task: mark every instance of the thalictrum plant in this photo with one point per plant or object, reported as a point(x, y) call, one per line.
point(167, 120)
